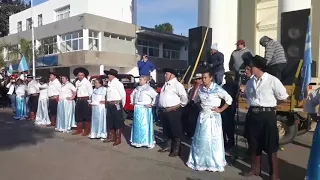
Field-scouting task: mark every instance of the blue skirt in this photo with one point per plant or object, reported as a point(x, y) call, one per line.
point(142, 133)
point(21, 108)
point(65, 116)
point(98, 122)
point(314, 158)
point(207, 149)
point(42, 117)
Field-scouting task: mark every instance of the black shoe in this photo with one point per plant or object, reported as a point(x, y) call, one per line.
point(175, 150)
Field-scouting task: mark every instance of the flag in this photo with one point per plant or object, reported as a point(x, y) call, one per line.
point(307, 62)
point(10, 70)
point(23, 65)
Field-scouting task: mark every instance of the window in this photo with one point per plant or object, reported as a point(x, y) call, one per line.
point(13, 52)
point(29, 23)
point(48, 45)
point(39, 20)
point(171, 51)
point(120, 37)
point(63, 13)
point(71, 41)
point(148, 47)
point(93, 40)
point(19, 26)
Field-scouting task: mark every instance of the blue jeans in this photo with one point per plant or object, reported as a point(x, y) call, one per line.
point(13, 101)
point(218, 77)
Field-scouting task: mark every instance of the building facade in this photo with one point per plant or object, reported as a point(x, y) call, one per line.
point(77, 33)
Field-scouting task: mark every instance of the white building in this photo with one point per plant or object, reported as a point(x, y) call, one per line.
point(73, 33)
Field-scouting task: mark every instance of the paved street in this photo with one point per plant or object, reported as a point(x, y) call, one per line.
point(37, 153)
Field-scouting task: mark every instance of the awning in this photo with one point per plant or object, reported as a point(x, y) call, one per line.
point(46, 61)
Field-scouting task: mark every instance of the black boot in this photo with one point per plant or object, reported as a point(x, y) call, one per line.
point(166, 147)
point(175, 148)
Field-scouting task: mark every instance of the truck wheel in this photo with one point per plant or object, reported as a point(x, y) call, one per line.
point(287, 133)
point(304, 126)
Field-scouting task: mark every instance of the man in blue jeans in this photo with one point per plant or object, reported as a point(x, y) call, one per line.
point(216, 63)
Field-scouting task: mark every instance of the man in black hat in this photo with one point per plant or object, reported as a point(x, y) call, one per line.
point(82, 110)
point(115, 101)
point(53, 94)
point(262, 92)
point(33, 93)
point(172, 97)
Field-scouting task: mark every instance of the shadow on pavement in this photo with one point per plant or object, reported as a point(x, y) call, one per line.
point(301, 144)
point(15, 133)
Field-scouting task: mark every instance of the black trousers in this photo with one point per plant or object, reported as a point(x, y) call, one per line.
point(171, 122)
point(189, 118)
point(82, 111)
point(228, 125)
point(53, 107)
point(33, 103)
point(262, 132)
point(115, 118)
point(276, 70)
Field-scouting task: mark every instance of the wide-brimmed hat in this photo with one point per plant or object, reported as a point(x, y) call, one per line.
point(172, 71)
point(258, 62)
point(112, 72)
point(29, 76)
point(197, 76)
point(230, 73)
point(78, 70)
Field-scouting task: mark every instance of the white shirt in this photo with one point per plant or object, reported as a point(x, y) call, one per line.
point(116, 91)
point(43, 91)
point(67, 90)
point(172, 94)
point(11, 87)
point(22, 77)
point(54, 88)
point(98, 95)
point(211, 97)
point(33, 87)
point(265, 92)
point(21, 90)
point(143, 95)
point(84, 88)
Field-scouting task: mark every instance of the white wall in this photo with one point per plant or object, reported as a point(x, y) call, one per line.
point(118, 10)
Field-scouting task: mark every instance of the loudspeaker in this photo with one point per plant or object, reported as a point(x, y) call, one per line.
point(196, 37)
point(293, 33)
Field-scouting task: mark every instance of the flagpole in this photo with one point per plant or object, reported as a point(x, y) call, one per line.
point(33, 54)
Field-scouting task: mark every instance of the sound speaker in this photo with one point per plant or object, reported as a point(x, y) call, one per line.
point(293, 33)
point(196, 37)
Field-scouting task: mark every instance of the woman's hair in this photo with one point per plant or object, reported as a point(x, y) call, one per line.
point(100, 81)
point(147, 78)
point(64, 77)
point(208, 71)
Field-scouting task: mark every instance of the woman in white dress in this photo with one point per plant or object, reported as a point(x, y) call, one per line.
point(21, 104)
point(42, 116)
point(66, 106)
point(143, 98)
point(99, 112)
point(207, 150)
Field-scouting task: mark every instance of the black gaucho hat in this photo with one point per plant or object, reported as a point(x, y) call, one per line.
point(111, 72)
point(53, 73)
point(172, 71)
point(78, 70)
point(258, 62)
point(29, 76)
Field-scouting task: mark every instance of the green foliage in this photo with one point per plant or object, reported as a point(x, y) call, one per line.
point(164, 27)
point(7, 8)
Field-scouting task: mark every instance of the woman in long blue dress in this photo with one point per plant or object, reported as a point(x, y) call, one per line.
point(66, 106)
point(21, 104)
point(99, 112)
point(313, 171)
point(207, 150)
point(42, 116)
point(143, 98)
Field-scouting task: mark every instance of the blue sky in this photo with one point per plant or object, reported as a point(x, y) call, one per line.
point(182, 14)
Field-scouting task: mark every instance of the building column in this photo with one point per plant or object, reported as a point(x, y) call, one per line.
point(58, 44)
point(100, 41)
point(161, 50)
point(85, 39)
point(222, 17)
point(288, 6)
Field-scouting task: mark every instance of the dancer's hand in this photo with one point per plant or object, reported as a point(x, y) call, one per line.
point(218, 110)
point(102, 102)
point(148, 106)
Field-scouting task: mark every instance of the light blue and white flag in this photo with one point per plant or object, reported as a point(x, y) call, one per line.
point(23, 65)
point(10, 70)
point(307, 62)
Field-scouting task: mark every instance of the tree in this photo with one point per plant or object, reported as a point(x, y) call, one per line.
point(164, 27)
point(7, 8)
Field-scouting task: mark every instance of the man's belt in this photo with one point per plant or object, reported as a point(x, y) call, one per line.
point(261, 109)
point(169, 109)
point(113, 102)
point(83, 98)
point(53, 97)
